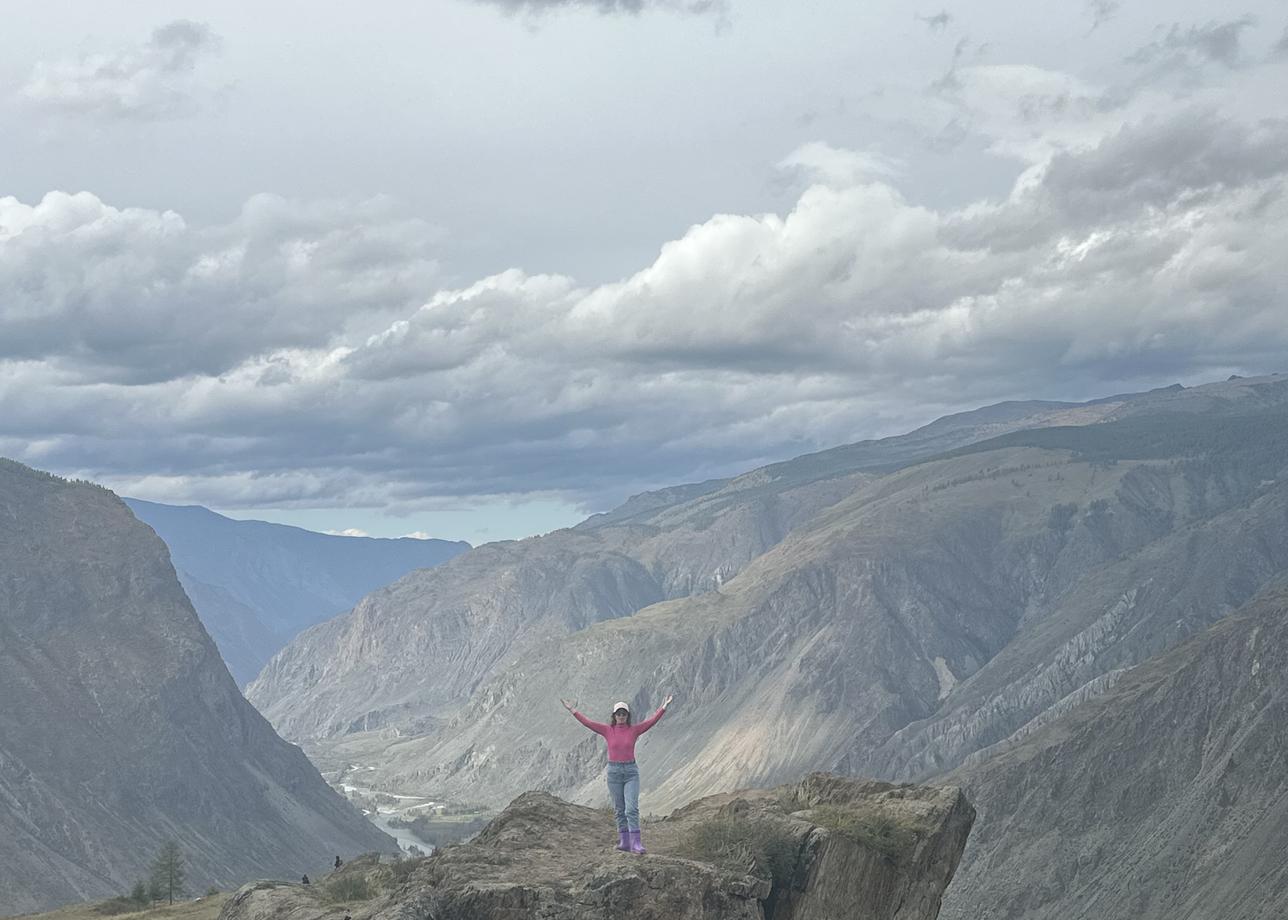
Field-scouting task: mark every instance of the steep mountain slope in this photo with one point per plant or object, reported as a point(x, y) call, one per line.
point(1166, 797)
point(120, 727)
point(255, 585)
point(412, 653)
point(934, 611)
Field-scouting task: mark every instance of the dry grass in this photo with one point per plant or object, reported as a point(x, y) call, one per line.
point(204, 909)
point(876, 831)
point(756, 846)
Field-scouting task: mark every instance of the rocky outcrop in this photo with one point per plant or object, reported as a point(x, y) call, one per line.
point(256, 585)
point(820, 849)
point(120, 727)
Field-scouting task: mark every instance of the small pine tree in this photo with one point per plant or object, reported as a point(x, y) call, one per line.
point(139, 893)
point(168, 871)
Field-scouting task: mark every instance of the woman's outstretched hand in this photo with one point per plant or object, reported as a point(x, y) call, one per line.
point(569, 705)
point(667, 702)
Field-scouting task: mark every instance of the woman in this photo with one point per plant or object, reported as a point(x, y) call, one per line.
point(623, 774)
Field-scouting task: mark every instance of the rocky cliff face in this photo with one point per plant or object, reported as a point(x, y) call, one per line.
point(255, 585)
point(120, 727)
point(823, 848)
point(1166, 797)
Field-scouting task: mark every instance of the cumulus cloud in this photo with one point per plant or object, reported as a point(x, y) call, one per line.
point(300, 356)
point(135, 295)
point(1156, 252)
point(153, 80)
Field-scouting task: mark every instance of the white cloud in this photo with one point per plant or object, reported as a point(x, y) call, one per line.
point(348, 532)
point(154, 80)
point(824, 163)
point(135, 295)
point(285, 359)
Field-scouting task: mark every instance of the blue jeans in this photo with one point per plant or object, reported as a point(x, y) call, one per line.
point(624, 790)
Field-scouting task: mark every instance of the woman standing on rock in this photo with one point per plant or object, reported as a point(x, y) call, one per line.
point(623, 774)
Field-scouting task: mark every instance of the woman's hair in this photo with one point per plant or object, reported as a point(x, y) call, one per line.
point(612, 717)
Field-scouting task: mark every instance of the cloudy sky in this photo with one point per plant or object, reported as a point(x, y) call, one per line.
point(475, 268)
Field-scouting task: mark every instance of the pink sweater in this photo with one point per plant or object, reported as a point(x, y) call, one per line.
point(620, 738)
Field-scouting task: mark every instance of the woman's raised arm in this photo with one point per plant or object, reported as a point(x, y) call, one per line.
point(597, 727)
point(648, 723)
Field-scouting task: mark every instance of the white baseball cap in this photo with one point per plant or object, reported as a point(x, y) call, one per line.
point(622, 705)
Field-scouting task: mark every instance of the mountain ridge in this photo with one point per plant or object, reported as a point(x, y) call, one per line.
point(121, 727)
point(256, 584)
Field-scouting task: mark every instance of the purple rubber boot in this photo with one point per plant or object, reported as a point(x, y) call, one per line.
point(624, 841)
point(636, 845)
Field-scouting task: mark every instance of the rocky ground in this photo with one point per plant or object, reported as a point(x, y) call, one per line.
point(826, 847)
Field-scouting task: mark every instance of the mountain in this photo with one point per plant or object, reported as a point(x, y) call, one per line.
point(884, 581)
point(1165, 797)
point(413, 652)
point(901, 619)
point(935, 611)
point(255, 585)
point(121, 727)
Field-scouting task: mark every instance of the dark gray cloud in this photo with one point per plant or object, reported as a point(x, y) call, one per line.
point(150, 81)
point(1161, 166)
point(949, 82)
point(938, 22)
point(1280, 48)
point(1183, 48)
point(1101, 11)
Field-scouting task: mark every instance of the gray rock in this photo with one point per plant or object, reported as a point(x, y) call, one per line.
point(546, 858)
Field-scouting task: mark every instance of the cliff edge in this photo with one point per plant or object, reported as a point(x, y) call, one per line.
point(826, 848)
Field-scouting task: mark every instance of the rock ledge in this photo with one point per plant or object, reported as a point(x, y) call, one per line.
point(825, 848)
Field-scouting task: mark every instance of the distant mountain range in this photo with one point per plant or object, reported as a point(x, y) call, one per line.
point(121, 728)
point(900, 609)
point(255, 585)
